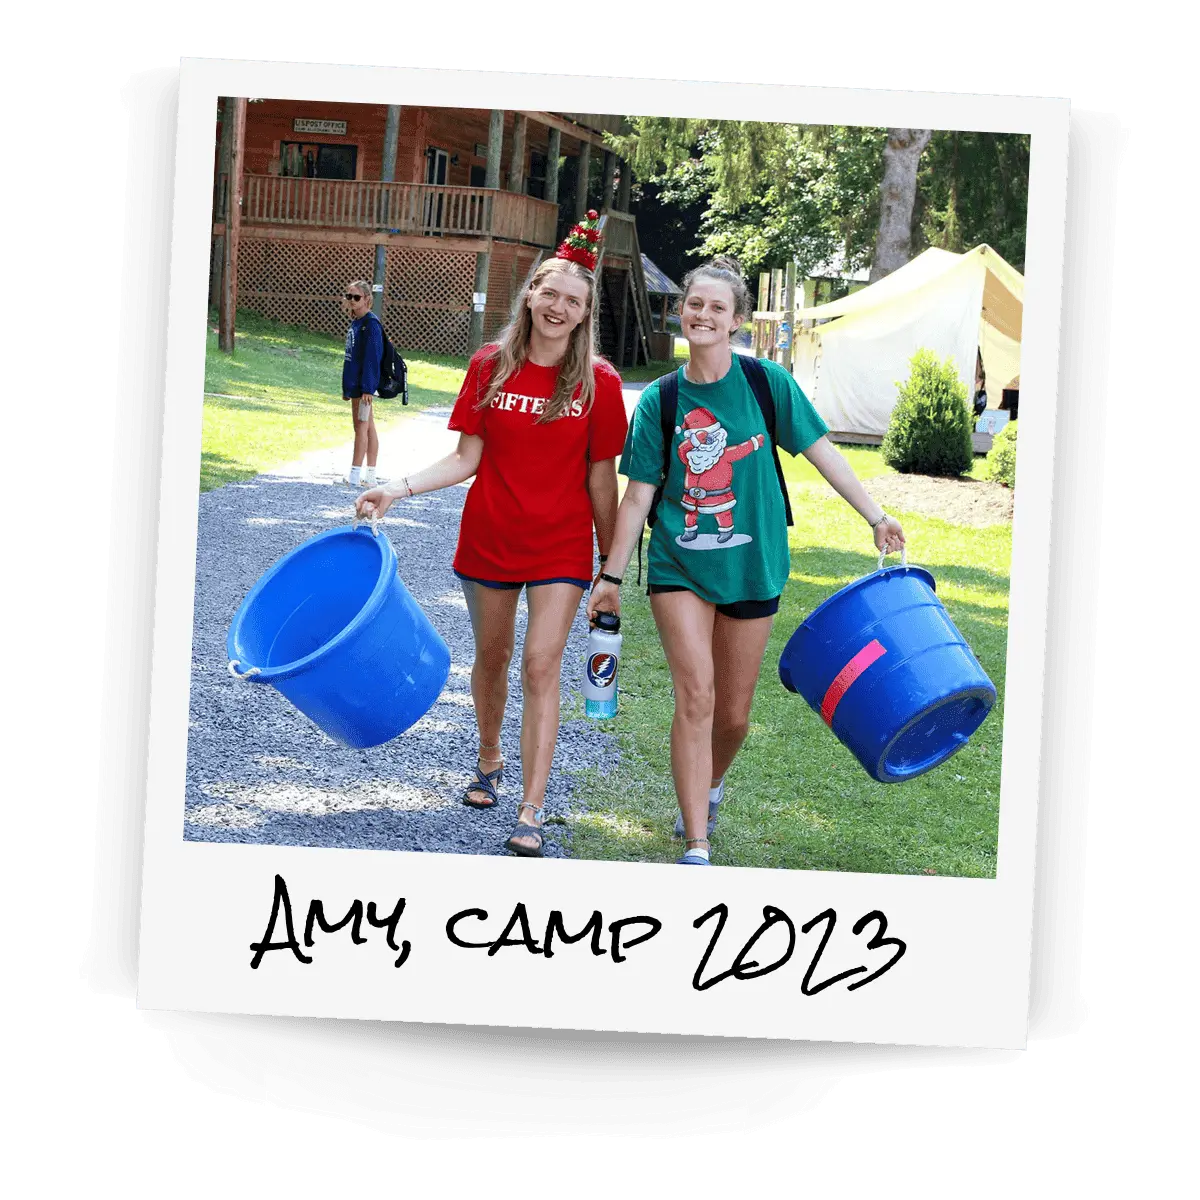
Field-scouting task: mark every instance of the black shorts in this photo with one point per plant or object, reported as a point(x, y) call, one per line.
point(506, 586)
point(741, 610)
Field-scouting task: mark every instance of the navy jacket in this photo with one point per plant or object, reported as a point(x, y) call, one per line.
point(364, 354)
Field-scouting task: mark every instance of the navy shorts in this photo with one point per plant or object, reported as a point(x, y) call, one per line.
point(506, 586)
point(740, 610)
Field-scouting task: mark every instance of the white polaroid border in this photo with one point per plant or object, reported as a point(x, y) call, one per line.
point(963, 979)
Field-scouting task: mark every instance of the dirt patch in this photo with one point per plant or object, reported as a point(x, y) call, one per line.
point(962, 501)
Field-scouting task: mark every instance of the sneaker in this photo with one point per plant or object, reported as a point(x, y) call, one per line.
point(712, 813)
point(691, 859)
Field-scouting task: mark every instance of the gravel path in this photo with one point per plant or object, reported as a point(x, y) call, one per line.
point(259, 771)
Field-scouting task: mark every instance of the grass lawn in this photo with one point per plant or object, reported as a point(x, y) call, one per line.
point(278, 396)
point(795, 796)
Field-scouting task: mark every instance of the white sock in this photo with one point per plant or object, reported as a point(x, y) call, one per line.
point(700, 850)
point(354, 474)
point(369, 477)
point(714, 793)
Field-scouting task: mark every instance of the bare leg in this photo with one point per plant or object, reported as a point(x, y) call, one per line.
point(493, 613)
point(360, 433)
point(738, 649)
point(552, 608)
point(685, 625)
point(372, 440)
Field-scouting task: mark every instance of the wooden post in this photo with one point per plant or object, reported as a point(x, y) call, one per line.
point(581, 180)
point(491, 174)
point(663, 320)
point(516, 169)
point(235, 116)
point(623, 192)
point(610, 180)
point(764, 290)
point(216, 282)
point(553, 151)
point(391, 136)
point(483, 259)
point(623, 319)
point(789, 313)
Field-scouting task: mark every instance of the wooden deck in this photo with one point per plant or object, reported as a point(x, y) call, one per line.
point(369, 206)
point(980, 442)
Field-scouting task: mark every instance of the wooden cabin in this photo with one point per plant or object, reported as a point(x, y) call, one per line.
point(448, 210)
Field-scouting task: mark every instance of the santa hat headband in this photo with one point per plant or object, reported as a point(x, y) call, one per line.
point(581, 244)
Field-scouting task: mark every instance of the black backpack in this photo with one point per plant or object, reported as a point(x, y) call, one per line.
point(393, 371)
point(668, 393)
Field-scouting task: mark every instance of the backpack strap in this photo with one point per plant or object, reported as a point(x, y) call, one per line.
point(760, 385)
point(668, 403)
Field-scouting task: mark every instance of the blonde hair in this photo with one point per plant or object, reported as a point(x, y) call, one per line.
point(358, 285)
point(577, 370)
point(725, 269)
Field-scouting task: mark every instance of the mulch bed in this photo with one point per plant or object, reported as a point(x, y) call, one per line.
point(975, 502)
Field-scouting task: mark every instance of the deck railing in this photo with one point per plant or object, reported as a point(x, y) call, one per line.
point(412, 208)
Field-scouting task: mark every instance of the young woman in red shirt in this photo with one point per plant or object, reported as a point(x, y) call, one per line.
point(541, 422)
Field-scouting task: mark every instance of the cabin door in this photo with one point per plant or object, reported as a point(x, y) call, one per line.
point(437, 163)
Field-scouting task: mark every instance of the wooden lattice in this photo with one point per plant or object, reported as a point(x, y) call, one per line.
point(509, 268)
point(300, 283)
point(427, 299)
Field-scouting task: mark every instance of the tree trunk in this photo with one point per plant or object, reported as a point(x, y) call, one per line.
point(897, 197)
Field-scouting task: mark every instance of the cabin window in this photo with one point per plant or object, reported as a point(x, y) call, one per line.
point(479, 177)
point(317, 161)
point(535, 185)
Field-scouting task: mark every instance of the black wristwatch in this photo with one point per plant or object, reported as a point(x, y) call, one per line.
point(611, 578)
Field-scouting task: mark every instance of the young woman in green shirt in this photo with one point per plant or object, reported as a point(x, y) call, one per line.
point(718, 554)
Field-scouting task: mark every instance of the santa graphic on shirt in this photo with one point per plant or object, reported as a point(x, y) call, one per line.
point(708, 481)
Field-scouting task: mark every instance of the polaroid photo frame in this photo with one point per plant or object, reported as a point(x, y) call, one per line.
point(461, 939)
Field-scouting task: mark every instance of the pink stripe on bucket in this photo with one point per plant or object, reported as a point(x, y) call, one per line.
point(847, 675)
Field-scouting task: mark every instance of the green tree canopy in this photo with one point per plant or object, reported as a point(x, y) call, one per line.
point(774, 192)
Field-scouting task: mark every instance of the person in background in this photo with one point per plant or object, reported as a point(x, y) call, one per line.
point(980, 400)
point(719, 556)
point(541, 421)
point(360, 378)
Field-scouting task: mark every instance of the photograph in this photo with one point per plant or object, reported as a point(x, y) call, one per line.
point(624, 490)
point(610, 487)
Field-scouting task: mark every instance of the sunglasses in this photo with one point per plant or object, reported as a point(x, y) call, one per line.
point(352, 295)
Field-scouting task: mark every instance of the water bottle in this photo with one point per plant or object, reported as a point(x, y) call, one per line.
point(600, 667)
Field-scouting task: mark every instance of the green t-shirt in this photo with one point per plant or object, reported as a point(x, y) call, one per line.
point(722, 528)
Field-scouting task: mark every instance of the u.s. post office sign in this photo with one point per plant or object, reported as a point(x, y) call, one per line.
point(309, 125)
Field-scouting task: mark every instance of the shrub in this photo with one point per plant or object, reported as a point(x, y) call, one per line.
point(930, 429)
point(1001, 462)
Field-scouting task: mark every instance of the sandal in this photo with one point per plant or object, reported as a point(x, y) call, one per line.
point(524, 830)
point(485, 782)
point(691, 858)
point(712, 813)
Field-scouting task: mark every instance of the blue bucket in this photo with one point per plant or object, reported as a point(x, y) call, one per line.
point(887, 670)
point(332, 626)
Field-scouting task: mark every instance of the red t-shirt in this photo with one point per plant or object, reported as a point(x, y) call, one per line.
point(528, 514)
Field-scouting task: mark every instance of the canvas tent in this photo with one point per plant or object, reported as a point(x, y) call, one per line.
point(949, 303)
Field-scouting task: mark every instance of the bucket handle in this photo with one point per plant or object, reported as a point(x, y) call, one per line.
point(374, 523)
point(233, 670)
point(903, 558)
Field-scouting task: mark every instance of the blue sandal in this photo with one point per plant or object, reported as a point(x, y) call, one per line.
point(525, 832)
point(485, 783)
point(712, 813)
point(691, 858)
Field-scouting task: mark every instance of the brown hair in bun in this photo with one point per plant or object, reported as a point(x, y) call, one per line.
point(726, 269)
